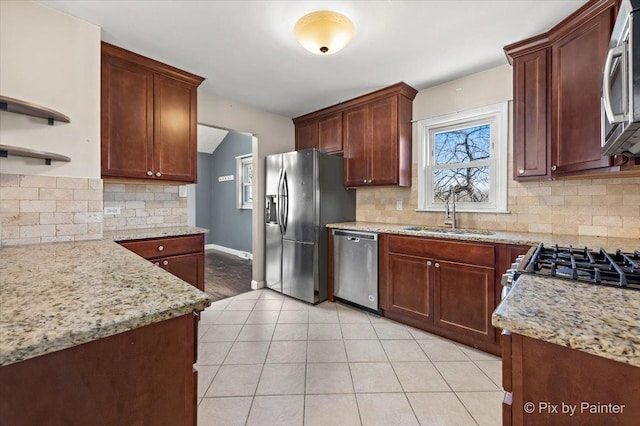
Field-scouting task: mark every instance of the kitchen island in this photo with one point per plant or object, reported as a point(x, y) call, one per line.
point(94, 334)
point(572, 346)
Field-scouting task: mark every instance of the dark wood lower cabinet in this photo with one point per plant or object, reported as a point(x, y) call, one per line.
point(555, 385)
point(464, 296)
point(408, 289)
point(445, 287)
point(181, 256)
point(140, 377)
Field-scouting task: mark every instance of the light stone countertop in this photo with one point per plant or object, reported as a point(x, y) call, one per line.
point(56, 296)
point(602, 321)
point(144, 233)
point(504, 237)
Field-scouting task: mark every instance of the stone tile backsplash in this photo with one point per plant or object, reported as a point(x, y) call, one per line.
point(591, 207)
point(144, 206)
point(43, 209)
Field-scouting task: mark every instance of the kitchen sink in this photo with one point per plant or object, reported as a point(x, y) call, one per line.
point(447, 230)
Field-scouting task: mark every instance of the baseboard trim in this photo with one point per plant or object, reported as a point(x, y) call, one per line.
point(255, 285)
point(239, 253)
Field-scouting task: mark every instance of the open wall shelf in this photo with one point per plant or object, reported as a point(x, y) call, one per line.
point(26, 108)
point(5, 150)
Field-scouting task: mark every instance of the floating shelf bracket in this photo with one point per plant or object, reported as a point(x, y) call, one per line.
point(26, 108)
point(5, 150)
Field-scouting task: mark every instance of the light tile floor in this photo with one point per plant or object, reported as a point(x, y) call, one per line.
point(266, 359)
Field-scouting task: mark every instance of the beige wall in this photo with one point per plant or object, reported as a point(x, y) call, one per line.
point(53, 60)
point(274, 134)
point(602, 207)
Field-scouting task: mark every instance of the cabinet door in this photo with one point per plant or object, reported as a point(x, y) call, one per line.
point(405, 286)
point(530, 115)
point(383, 145)
point(464, 299)
point(355, 135)
point(187, 267)
point(330, 133)
point(175, 127)
point(307, 135)
point(126, 119)
point(577, 66)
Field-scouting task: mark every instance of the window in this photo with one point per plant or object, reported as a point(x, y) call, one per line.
point(466, 151)
point(244, 167)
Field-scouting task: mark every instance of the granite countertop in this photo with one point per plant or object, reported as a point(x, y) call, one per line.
point(143, 233)
point(517, 238)
point(55, 296)
point(602, 321)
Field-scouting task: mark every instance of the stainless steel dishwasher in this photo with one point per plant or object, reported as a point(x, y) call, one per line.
point(355, 268)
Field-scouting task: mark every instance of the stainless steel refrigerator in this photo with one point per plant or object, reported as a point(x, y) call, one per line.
point(304, 192)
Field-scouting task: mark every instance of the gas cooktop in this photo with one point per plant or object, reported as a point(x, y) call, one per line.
point(599, 267)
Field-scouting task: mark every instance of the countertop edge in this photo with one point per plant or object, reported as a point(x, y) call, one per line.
point(86, 336)
point(150, 233)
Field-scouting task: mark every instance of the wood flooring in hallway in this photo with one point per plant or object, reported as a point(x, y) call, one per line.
point(226, 275)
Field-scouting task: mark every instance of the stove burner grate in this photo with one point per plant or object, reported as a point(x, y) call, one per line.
point(581, 264)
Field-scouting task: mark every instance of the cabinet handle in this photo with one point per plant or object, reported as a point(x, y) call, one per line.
point(365, 181)
point(553, 168)
point(428, 263)
point(160, 248)
point(165, 262)
point(437, 265)
point(521, 171)
point(149, 173)
point(158, 174)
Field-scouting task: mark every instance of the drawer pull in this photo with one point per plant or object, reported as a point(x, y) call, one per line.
point(165, 263)
point(149, 173)
point(158, 174)
point(160, 248)
point(428, 263)
point(437, 265)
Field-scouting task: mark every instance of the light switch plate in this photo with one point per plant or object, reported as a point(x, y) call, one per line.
point(112, 211)
point(182, 191)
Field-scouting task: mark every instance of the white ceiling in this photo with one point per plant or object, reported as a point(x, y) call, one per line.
point(209, 138)
point(247, 52)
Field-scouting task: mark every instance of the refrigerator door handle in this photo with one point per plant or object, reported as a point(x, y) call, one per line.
point(279, 200)
point(285, 201)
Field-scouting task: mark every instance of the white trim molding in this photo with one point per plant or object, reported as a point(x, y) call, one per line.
point(239, 253)
point(497, 117)
point(255, 285)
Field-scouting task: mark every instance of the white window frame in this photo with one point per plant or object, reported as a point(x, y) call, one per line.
point(241, 162)
point(496, 115)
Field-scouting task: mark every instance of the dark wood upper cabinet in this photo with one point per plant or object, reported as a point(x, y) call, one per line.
point(307, 135)
point(530, 106)
point(330, 133)
point(355, 129)
point(372, 131)
point(557, 97)
point(148, 118)
point(577, 61)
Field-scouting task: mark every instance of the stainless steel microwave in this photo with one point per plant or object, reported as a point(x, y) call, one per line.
point(621, 85)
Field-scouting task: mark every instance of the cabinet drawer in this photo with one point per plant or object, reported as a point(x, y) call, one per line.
point(472, 253)
point(162, 247)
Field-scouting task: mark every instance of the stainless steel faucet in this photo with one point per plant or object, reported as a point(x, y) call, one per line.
point(450, 213)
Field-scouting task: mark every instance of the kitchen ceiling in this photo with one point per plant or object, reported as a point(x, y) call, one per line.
point(247, 52)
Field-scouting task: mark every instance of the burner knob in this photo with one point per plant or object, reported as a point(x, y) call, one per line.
point(507, 279)
point(515, 265)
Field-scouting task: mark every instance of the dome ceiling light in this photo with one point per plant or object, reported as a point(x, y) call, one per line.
point(324, 32)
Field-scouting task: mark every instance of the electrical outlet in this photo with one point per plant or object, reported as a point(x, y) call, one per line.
point(182, 191)
point(112, 211)
point(398, 204)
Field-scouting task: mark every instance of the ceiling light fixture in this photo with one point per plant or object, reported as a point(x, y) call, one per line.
point(324, 32)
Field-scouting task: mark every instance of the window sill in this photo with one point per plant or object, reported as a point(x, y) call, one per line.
point(466, 211)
